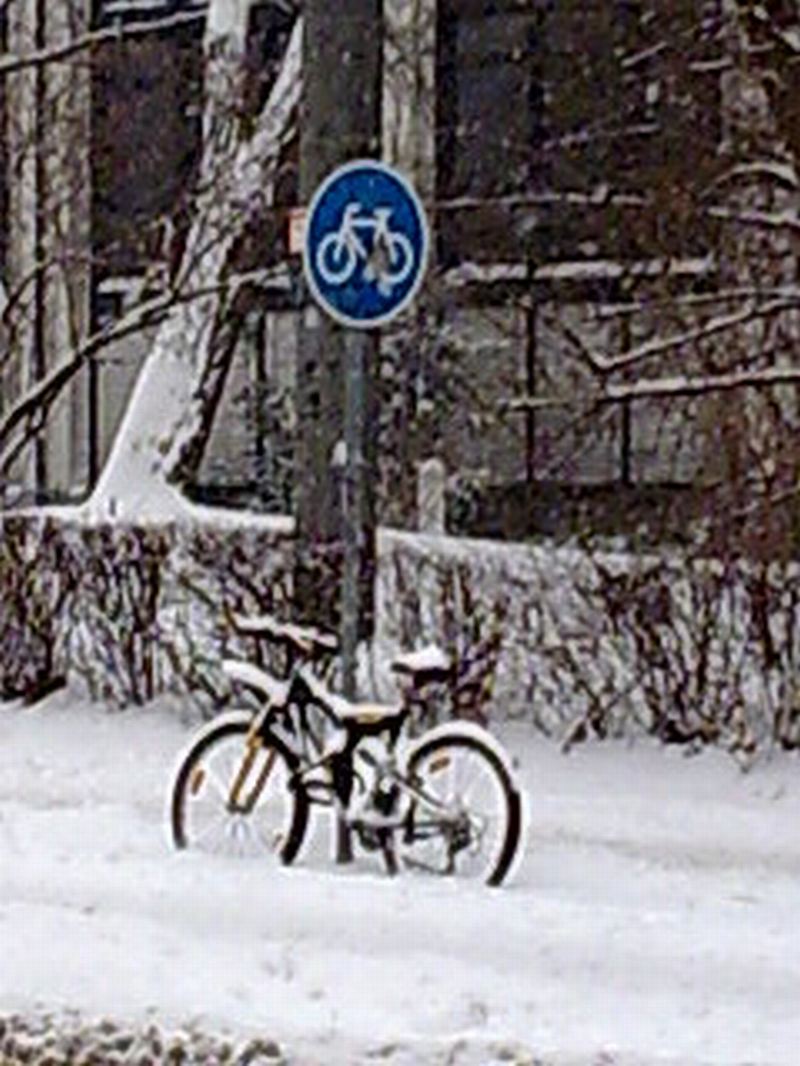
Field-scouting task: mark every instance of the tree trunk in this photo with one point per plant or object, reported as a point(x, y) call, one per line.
point(160, 442)
point(340, 121)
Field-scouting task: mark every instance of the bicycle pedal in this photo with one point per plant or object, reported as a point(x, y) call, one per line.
point(372, 836)
point(373, 822)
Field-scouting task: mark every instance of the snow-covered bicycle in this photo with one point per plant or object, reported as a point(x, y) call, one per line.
point(444, 802)
point(388, 260)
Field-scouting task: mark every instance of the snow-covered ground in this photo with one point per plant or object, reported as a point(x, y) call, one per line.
point(654, 919)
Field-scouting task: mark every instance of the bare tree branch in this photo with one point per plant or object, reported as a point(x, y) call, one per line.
point(660, 345)
point(11, 64)
point(29, 413)
point(661, 388)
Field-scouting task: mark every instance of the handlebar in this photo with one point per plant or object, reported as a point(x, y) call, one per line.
point(306, 641)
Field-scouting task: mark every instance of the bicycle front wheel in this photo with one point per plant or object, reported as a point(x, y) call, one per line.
point(465, 814)
point(229, 798)
point(401, 259)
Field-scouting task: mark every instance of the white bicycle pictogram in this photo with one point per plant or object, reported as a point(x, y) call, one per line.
point(389, 261)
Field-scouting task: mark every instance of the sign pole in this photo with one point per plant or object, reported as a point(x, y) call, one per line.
point(354, 529)
point(364, 254)
point(356, 345)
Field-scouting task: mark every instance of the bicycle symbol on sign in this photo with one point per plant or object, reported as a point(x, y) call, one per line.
point(388, 261)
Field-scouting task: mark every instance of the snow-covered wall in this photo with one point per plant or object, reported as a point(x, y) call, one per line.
point(572, 640)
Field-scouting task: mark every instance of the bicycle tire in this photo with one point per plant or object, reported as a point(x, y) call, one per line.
point(332, 245)
point(433, 753)
point(231, 729)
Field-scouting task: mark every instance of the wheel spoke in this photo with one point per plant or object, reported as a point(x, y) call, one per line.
point(201, 812)
point(212, 776)
point(464, 826)
point(215, 828)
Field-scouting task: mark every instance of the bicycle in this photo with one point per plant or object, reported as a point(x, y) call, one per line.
point(443, 802)
point(390, 261)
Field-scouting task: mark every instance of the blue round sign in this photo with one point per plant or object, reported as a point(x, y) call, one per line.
point(366, 244)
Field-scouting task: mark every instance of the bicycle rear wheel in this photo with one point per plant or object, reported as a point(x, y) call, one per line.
point(465, 818)
point(229, 799)
point(336, 260)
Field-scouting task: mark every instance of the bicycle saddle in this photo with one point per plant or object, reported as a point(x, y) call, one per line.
point(305, 640)
point(423, 666)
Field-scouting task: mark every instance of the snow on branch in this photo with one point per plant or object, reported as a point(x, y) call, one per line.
point(662, 388)
point(660, 345)
point(774, 220)
point(789, 36)
point(781, 171)
point(681, 385)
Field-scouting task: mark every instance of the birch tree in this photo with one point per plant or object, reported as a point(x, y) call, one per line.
point(226, 257)
point(160, 441)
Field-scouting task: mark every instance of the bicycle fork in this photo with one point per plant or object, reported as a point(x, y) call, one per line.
point(236, 802)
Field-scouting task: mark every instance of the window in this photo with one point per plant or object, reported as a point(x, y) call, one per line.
point(145, 140)
point(582, 97)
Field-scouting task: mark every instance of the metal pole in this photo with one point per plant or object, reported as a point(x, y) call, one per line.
point(531, 360)
point(357, 346)
point(93, 422)
point(340, 119)
point(626, 414)
point(353, 514)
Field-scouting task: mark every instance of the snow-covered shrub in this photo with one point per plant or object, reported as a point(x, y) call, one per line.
point(423, 597)
point(214, 571)
point(579, 641)
point(36, 581)
point(112, 638)
point(130, 611)
point(53, 1039)
point(575, 641)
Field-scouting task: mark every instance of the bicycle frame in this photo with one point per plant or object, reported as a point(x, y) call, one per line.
point(302, 695)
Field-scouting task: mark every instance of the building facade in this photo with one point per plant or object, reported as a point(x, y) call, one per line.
point(559, 147)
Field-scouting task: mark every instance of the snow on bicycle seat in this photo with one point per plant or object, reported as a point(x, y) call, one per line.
point(304, 638)
point(427, 664)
